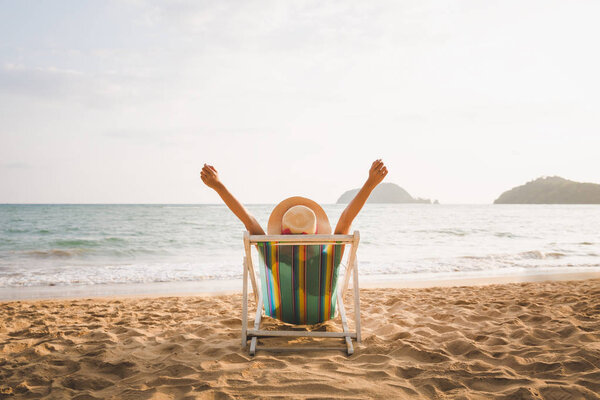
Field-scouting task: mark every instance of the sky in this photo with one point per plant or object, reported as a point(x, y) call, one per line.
point(124, 101)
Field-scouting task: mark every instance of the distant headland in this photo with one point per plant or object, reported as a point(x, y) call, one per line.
point(552, 190)
point(385, 193)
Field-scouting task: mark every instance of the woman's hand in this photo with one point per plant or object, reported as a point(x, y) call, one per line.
point(377, 172)
point(210, 176)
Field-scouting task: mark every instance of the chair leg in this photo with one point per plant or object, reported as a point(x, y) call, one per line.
point(356, 302)
point(257, 319)
point(342, 309)
point(245, 306)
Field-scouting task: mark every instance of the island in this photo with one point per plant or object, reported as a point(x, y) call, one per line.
point(552, 190)
point(385, 193)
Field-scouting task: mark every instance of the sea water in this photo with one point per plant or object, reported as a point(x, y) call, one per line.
point(70, 245)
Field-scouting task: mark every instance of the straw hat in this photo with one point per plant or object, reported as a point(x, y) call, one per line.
point(298, 215)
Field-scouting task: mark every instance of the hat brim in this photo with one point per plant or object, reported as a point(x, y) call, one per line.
point(274, 225)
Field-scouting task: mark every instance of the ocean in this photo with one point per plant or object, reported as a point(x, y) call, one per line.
point(73, 245)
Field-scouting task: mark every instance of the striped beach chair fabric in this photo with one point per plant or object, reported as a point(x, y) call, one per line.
point(300, 284)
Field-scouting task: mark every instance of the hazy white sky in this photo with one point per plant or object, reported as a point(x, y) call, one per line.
point(123, 101)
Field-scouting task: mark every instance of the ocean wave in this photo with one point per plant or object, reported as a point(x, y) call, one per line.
point(87, 243)
point(505, 234)
point(453, 232)
point(531, 255)
point(118, 276)
point(115, 240)
point(99, 254)
point(204, 206)
point(554, 255)
point(16, 230)
point(56, 253)
point(462, 232)
point(538, 255)
point(91, 274)
point(77, 243)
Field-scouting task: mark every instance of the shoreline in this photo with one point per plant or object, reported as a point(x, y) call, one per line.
point(234, 286)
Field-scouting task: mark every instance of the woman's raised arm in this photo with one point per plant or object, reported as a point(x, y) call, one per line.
point(210, 177)
point(377, 172)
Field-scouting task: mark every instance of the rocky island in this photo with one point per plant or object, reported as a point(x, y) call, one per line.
point(552, 190)
point(384, 193)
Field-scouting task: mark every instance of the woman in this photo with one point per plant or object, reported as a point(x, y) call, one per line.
point(297, 214)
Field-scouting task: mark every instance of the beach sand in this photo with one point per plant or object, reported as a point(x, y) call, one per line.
point(512, 341)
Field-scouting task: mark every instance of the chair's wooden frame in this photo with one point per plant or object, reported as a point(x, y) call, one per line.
point(254, 333)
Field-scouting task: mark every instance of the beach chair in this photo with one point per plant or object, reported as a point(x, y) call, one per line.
point(299, 285)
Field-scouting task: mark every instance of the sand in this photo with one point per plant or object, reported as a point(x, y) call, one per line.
point(510, 341)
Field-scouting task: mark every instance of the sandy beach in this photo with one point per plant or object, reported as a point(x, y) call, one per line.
point(537, 340)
